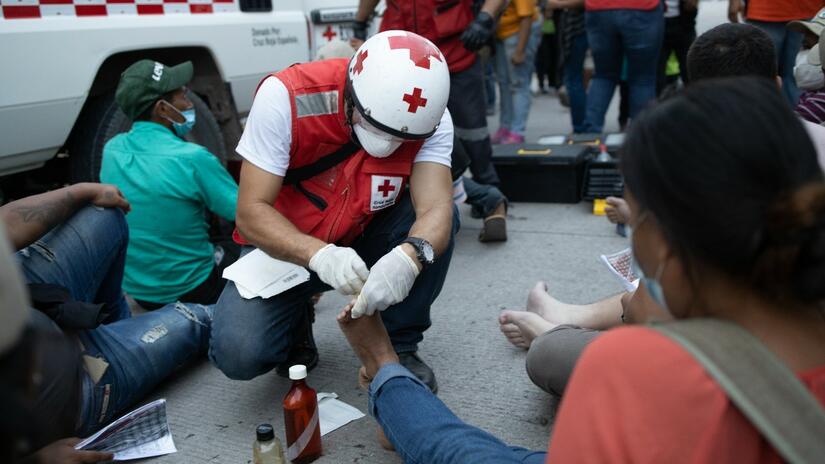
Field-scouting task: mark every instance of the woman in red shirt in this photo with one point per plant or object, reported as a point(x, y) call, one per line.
point(727, 206)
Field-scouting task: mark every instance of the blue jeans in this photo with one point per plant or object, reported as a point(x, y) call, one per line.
point(574, 80)
point(614, 35)
point(483, 198)
point(251, 337)
point(424, 430)
point(787, 44)
point(514, 80)
point(86, 255)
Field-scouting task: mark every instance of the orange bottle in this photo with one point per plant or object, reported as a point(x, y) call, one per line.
point(303, 428)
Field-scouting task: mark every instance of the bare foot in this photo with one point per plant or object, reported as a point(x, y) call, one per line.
point(617, 210)
point(522, 327)
point(369, 340)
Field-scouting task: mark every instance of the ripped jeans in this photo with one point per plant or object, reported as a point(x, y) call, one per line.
point(126, 357)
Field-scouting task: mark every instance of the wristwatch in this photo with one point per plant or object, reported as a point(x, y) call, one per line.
point(423, 250)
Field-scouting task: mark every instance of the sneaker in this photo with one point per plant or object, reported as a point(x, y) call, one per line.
point(512, 139)
point(500, 134)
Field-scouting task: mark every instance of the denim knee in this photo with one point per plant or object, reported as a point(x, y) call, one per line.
point(244, 358)
point(108, 222)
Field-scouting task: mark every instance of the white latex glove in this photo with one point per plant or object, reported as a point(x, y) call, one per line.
point(389, 283)
point(341, 268)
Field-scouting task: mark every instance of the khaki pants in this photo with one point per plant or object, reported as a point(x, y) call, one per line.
point(553, 355)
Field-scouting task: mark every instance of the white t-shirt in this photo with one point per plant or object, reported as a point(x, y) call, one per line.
point(268, 133)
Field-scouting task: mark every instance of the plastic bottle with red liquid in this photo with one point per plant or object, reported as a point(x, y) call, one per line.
point(303, 428)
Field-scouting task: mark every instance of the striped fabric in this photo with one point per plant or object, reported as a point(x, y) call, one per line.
point(35, 9)
point(811, 106)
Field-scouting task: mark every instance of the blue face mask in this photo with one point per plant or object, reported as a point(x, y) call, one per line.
point(183, 128)
point(652, 284)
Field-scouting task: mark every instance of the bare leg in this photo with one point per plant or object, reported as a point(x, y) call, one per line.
point(521, 327)
point(369, 340)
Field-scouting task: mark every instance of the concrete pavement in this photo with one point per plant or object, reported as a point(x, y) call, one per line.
point(481, 377)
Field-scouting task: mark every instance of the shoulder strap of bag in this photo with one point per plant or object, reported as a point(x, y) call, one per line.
point(297, 175)
point(764, 389)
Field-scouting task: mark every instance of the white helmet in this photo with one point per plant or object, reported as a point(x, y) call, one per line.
point(399, 84)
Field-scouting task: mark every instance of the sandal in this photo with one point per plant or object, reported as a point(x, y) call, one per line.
point(494, 229)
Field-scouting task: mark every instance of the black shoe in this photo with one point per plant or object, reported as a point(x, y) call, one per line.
point(303, 349)
point(415, 365)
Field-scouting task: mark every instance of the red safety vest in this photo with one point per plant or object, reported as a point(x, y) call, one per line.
point(440, 21)
point(350, 192)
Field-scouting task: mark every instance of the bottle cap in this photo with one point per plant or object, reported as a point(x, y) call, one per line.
point(265, 432)
point(297, 372)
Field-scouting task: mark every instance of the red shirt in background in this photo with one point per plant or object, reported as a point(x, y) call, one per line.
point(636, 396)
point(593, 5)
point(783, 10)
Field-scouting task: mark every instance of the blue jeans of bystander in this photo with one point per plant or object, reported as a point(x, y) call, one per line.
point(514, 80)
point(614, 35)
point(787, 44)
point(574, 81)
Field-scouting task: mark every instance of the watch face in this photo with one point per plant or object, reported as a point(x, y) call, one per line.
point(427, 251)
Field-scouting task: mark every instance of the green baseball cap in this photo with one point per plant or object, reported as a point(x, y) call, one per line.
point(146, 82)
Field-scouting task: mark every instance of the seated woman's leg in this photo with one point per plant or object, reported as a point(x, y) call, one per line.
point(419, 425)
point(126, 359)
point(553, 355)
point(86, 254)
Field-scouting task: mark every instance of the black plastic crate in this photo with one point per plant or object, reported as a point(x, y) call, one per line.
point(602, 179)
point(541, 173)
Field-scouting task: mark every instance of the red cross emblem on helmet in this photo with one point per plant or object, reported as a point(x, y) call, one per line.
point(399, 83)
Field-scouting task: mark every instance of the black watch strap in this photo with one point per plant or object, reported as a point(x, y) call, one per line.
point(422, 246)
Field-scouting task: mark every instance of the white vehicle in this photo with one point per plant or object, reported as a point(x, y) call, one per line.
point(62, 60)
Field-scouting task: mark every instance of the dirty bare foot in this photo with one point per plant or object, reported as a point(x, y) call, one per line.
point(522, 327)
point(617, 210)
point(368, 339)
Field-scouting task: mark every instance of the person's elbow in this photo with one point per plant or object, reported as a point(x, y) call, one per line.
point(244, 214)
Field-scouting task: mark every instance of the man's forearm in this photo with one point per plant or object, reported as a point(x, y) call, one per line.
point(435, 226)
point(266, 228)
point(524, 26)
point(30, 218)
point(365, 9)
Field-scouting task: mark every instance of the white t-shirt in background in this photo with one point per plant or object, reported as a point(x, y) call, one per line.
point(268, 133)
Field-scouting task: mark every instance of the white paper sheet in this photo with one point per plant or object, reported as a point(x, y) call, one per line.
point(334, 413)
point(621, 266)
point(257, 274)
point(143, 433)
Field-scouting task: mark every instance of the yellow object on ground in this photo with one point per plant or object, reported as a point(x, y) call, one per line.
point(598, 206)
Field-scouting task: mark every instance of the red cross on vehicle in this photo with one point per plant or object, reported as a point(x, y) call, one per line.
point(420, 50)
point(329, 34)
point(359, 61)
point(386, 188)
point(414, 100)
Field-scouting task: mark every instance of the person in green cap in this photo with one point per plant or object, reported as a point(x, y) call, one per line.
point(170, 183)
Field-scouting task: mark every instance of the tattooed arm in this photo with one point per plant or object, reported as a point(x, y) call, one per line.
point(28, 219)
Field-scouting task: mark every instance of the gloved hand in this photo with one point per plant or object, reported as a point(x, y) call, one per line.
point(479, 33)
point(359, 30)
point(389, 283)
point(341, 268)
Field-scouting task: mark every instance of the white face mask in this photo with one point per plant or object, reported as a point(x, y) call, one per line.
point(375, 141)
point(808, 76)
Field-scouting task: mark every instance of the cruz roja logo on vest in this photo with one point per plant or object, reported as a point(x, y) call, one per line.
point(384, 192)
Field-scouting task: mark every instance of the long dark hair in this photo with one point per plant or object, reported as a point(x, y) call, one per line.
point(733, 180)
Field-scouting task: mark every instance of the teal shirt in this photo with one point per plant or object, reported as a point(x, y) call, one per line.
point(169, 183)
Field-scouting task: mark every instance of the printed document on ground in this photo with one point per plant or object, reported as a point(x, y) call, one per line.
point(143, 433)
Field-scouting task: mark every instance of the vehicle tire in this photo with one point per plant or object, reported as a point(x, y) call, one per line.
point(101, 119)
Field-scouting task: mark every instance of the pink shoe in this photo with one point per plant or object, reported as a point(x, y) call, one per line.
point(500, 135)
point(512, 139)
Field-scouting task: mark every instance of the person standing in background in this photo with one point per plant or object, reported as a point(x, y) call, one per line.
point(618, 29)
point(772, 16)
point(574, 50)
point(517, 37)
point(680, 32)
point(547, 56)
